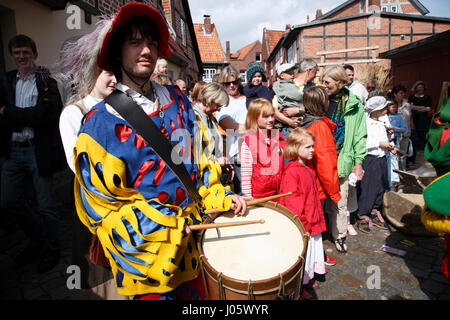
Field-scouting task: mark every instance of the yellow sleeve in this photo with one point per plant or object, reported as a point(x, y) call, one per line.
point(214, 194)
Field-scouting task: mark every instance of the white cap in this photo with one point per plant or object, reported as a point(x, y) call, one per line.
point(376, 103)
point(285, 67)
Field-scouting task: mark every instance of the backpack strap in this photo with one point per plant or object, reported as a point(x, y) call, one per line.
point(145, 126)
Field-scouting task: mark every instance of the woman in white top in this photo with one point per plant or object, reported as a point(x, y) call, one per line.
point(72, 115)
point(232, 119)
point(79, 61)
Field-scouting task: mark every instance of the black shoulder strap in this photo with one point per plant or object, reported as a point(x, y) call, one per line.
point(145, 126)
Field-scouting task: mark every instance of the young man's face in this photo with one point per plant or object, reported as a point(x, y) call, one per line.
point(139, 56)
point(311, 74)
point(23, 57)
point(350, 76)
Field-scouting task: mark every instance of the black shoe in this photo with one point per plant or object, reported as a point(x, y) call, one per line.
point(49, 261)
point(29, 254)
point(340, 245)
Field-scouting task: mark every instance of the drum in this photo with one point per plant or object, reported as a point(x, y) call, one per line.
point(255, 261)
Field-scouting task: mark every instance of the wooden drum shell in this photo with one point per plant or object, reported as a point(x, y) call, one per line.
point(266, 289)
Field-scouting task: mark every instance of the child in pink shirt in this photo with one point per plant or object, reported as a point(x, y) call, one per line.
point(261, 151)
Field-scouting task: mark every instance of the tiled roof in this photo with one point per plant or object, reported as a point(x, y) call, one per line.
point(273, 36)
point(209, 45)
point(244, 51)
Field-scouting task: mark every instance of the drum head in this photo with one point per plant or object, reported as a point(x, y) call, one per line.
point(255, 251)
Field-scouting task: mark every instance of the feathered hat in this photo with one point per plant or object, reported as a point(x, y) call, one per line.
point(130, 11)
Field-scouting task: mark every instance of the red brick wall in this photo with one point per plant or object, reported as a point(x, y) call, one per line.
point(347, 11)
point(408, 8)
point(434, 63)
point(177, 14)
point(358, 29)
point(167, 7)
point(354, 8)
point(112, 6)
point(242, 63)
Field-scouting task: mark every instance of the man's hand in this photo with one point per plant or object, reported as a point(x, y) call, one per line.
point(386, 145)
point(390, 131)
point(396, 152)
point(291, 111)
point(359, 172)
point(293, 123)
point(239, 205)
point(186, 229)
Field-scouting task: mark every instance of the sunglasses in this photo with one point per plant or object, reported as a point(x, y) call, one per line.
point(235, 82)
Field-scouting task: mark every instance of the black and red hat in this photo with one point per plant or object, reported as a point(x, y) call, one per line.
point(130, 11)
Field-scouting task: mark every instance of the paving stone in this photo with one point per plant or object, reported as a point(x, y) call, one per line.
point(370, 294)
point(407, 278)
point(415, 276)
point(350, 281)
point(351, 296)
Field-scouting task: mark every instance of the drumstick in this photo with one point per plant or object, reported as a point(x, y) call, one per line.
point(253, 202)
point(223, 224)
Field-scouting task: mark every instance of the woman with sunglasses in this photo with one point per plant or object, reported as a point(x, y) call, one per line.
point(232, 119)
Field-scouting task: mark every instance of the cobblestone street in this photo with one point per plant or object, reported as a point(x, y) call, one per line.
point(415, 276)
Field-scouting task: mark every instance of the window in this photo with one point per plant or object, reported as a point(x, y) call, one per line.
point(258, 56)
point(183, 31)
point(291, 53)
point(243, 75)
point(279, 58)
point(390, 8)
point(208, 74)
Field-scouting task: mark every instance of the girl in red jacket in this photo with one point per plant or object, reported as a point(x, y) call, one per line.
point(300, 179)
point(261, 151)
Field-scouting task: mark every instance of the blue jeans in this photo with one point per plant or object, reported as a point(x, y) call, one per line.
point(20, 174)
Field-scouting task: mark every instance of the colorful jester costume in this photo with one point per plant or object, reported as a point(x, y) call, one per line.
point(436, 212)
point(127, 196)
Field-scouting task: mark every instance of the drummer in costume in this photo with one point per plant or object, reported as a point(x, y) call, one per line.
point(124, 192)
